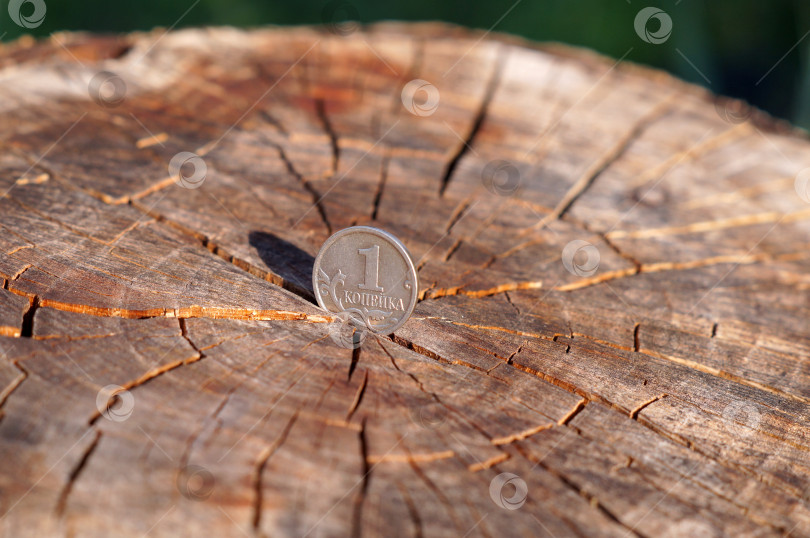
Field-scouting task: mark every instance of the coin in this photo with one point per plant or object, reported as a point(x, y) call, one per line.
point(368, 274)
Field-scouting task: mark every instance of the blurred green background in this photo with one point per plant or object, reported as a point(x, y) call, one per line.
point(756, 50)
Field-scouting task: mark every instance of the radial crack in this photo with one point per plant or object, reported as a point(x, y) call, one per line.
point(312, 191)
point(184, 334)
point(412, 511)
point(358, 397)
point(261, 464)
point(478, 120)
point(14, 385)
point(381, 185)
point(27, 328)
point(359, 500)
point(214, 248)
point(320, 109)
point(61, 503)
point(606, 160)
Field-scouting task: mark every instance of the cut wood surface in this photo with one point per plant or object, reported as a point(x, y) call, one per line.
point(613, 279)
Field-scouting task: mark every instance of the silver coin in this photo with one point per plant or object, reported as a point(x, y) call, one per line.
point(368, 274)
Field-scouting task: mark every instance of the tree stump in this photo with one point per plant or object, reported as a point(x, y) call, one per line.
point(612, 333)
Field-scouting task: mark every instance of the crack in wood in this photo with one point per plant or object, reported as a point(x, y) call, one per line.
point(781, 486)
point(744, 259)
point(702, 147)
point(579, 490)
point(261, 465)
point(360, 498)
point(437, 293)
point(265, 114)
point(507, 360)
point(615, 248)
point(184, 334)
point(519, 436)
point(509, 300)
point(320, 110)
point(412, 458)
point(515, 352)
point(785, 479)
point(598, 398)
point(685, 476)
point(145, 378)
point(381, 185)
point(478, 119)
point(452, 250)
point(419, 384)
point(150, 375)
point(634, 413)
point(619, 466)
point(552, 338)
point(185, 456)
point(211, 246)
point(443, 499)
point(745, 510)
point(685, 362)
point(9, 331)
point(354, 362)
point(19, 273)
point(61, 503)
point(412, 511)
point(315, 196)
point(427, 353)
point(722, 374)
point(151, 140)
point(17, 249)
point(194, 311)
point(712, 225)
point(568, 417)
point(130, 199)
point(27, 328)
point(459, 212)
point(56, 221)
point(606, 160)
point(358, 397)
point(489, 463)
point(739, 195)
point(433, 395)
point(14, 385)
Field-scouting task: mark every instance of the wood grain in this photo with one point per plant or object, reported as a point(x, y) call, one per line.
point(666, 393)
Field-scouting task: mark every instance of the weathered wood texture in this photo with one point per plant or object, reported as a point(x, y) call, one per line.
point(665, 394)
